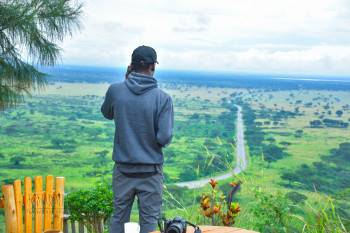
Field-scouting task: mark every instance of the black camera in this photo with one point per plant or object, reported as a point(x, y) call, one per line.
point(176, 225)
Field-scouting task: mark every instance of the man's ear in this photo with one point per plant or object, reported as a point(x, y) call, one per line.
point(153, 67)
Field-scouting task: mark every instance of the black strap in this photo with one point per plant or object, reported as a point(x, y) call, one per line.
point(196, 228)
point(162, 225)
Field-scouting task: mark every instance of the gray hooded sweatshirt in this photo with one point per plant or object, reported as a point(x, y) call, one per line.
point(144, 117)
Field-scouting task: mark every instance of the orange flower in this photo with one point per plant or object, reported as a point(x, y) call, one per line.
point(215, 206)
point(213, 183)
point(227, 220)
point(207, 213)
point(233, 184)
point(216, 209)
point(235, 208)
point(205, 202)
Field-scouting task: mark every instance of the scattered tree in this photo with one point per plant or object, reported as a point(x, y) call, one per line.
point(17, 160)
point(296, 197)
point(339, 113)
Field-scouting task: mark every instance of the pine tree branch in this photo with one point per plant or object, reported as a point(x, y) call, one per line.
point(38, 24)
point(34, 26)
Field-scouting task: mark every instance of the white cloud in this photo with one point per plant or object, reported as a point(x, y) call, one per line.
point(295, 36)
point(318, 59)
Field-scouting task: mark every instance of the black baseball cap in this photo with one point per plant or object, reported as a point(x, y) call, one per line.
point(144, 54)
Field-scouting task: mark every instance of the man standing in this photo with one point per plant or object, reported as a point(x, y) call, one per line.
point(143, 116)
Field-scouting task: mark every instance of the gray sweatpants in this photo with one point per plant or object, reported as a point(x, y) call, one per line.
point(149, 194)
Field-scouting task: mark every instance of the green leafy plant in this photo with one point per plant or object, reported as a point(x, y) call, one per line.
point(91, 207)
point(271, 211)
point(221, 210)
point(322, 219)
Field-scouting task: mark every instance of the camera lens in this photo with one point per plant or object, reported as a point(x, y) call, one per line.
point(173, 231)
point(175, 228)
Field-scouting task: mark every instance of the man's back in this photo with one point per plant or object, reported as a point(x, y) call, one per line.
point(143, 116)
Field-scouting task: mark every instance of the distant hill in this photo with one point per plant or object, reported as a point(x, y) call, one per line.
point(213, 79)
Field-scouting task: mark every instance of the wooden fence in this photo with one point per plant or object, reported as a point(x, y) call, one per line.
point(47, 205)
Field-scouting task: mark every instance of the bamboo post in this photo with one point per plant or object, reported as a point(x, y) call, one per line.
point(1, 203)
point(19, 204)
point(10, 209)
point(28, 207)
point(58, 199)
point(48, 203)
point(38, 195)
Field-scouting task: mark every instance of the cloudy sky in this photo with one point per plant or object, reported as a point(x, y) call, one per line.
point(281, 36)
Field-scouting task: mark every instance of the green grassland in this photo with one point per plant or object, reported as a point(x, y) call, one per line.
point(309, 148)
point(61, 132)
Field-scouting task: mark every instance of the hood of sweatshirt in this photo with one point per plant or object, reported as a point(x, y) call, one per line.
point(140, 83)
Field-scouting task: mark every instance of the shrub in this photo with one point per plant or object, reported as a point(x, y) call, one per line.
point(296, 197)
point(271, 211)
point(91, 206)
point(273, 153)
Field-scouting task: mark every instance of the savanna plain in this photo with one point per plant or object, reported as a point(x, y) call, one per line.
point(297, 143)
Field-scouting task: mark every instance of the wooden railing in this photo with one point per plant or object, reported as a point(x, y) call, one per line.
point(48, 205)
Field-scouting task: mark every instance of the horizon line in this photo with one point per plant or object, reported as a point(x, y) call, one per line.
point(274, 73)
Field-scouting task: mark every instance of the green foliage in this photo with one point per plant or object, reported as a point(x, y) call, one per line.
point(339, 113)
point(298, 133)
point(17, 160)
point(204, 125)
point(253, 133)
point(275, 213)
point(273, 152)
point(68, 135)
point(331, 123)
point(328, 176)
point(211, 133)
point(178, 198)
point(255, 136)
point(271, 212)
point(91, 206)
point(342, 204)
point(35, 25)
point(322, 219)
point(2, 226)
point(296, 197)
point(277, 115)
